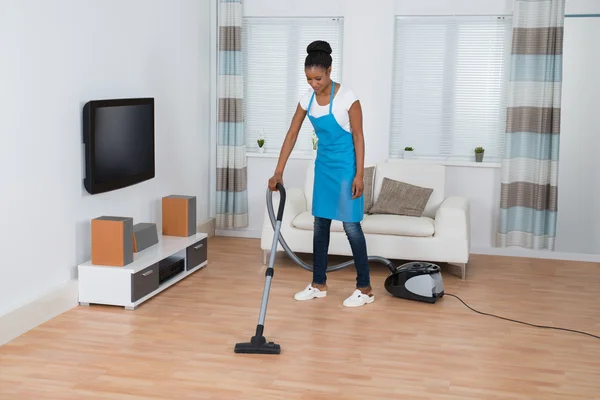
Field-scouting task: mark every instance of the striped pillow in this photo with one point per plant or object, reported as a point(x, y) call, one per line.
point(368, 187)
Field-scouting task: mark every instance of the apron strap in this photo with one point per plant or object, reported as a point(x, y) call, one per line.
point(331, 99)
point(310, 103)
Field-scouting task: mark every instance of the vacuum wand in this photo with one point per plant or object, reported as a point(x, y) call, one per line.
point(258, 343)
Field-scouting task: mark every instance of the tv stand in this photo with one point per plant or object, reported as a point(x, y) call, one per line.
point(137, 282)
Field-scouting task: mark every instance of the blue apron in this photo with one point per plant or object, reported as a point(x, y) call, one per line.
point(335, 169)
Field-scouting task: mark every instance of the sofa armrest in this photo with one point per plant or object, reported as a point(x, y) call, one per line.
point(453, 219)
point(295, 204)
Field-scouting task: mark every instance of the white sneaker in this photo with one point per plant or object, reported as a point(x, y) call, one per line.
point(310, 293)
point(358, 299)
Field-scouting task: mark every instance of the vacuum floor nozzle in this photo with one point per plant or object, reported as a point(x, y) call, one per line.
point(257, 345)
point(251, 348)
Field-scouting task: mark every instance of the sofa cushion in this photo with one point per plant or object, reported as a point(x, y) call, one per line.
point(377, 224)
point(309, 181)
point(399, 225)
point(305, 221)
point(401, 198)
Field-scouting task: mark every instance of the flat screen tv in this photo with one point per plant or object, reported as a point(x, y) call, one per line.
point(118, 135)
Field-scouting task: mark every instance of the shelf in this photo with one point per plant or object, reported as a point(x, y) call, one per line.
point(165, 285)
point(167, 246)
point(131, 285)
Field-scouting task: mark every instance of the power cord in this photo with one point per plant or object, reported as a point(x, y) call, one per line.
point(519, 322)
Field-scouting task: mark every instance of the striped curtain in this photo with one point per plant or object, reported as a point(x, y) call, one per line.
point(231, 180)
point(528, 202)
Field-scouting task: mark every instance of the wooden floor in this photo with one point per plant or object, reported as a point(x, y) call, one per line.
point(180, 344)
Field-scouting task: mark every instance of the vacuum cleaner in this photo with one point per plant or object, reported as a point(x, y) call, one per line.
point(419, 281)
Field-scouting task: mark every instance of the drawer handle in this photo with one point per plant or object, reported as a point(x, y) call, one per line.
point(148, 273)
point(198, 247)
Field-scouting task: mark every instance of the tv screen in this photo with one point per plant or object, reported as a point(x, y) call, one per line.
point(119, 143)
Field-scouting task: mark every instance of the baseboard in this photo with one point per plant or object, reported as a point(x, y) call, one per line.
point(549, 255)
point(243, 233)
point(52, 304)
point(208, 226)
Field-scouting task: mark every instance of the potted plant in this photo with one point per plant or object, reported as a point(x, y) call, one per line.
point(315, 141)
point(479, 154)
point(408, 152)
point(261, 143)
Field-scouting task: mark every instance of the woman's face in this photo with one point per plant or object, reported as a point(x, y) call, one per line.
point(318, 78)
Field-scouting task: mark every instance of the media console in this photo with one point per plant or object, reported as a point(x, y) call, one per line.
point(153, 270)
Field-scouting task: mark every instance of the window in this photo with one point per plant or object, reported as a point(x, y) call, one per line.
point(449, 86)
point(274, 50)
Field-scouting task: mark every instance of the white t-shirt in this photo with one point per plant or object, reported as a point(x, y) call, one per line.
point(343, 100)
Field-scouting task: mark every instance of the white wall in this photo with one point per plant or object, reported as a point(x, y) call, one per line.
point(56, 55)
point(579, 189)
point(366, 68)
point(578, 229)
point(582, 7)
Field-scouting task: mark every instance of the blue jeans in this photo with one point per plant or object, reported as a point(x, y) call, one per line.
point(356, 237)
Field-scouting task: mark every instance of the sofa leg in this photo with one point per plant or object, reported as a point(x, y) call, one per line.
point(463, 269)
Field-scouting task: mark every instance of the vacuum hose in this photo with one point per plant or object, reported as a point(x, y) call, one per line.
point(297, 260)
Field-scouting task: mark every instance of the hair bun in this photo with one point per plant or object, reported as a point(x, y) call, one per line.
point(319, 46)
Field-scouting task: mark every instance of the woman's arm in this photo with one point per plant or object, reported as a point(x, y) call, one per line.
point(356, 118)
point(288, 146)
point(290, 139)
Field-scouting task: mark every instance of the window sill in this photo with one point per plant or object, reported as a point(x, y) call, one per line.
point(293, 156)
point(451, 163)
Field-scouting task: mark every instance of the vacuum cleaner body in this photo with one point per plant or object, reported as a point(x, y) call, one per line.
point(420, 281)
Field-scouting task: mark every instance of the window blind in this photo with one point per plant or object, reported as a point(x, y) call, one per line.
point(274, 50)
point(449, 86)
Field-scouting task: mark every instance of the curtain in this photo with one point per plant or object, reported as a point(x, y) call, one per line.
point(231, 180)
point(529, 200)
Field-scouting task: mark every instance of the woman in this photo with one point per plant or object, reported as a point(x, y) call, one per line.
point(336, 116)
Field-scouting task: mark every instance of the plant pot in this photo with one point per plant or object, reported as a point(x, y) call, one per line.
point(408, 154)
point(261, 149)
point(478, 157)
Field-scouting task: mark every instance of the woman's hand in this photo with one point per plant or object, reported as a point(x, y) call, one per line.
point(275, 179)
point(358, 185)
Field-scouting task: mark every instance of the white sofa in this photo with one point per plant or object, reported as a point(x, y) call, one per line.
point(441, 234)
